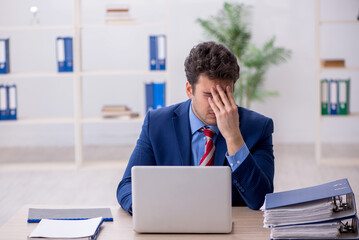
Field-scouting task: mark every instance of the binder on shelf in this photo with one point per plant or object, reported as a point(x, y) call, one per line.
point(158, 52)
point(12, 102)
point(343, 96)
point(333, 97)
point(155, 95)
point(4, 56)
point(324, 96)
point(3, 103)
point(159, 95)
point(149, 97)
point(64, 54)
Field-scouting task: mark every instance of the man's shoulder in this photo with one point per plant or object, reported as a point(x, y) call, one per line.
point(169, 112)
point(250, 115)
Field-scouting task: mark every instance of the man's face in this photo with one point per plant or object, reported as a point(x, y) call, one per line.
point(200, 104)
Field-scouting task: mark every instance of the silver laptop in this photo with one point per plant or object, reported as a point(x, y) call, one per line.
point(179, 199)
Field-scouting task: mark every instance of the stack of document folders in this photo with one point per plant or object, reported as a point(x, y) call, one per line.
point(326, 211)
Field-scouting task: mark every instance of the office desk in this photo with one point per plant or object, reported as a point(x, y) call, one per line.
point(248, 224)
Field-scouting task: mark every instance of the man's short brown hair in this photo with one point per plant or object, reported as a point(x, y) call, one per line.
point(212, 59)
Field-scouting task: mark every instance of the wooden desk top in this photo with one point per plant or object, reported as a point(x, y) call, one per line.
point(248, 224)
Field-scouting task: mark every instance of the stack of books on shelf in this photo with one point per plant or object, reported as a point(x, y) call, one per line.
point(118, 111)
point(8, 102)
point(326, 211)
point(117, 13)
point(335, 96)
point(333, 63)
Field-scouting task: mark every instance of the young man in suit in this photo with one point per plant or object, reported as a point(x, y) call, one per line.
point(208, 129)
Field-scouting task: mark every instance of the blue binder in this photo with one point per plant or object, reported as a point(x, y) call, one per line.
point(161, 52)
point(3, 103)
point(155, 95)
point(159, 95)
point(327, 190)
point(4, 56)
point(333, 191)
point(153, 53)
point(64, 54)
point(12, 102)
point(347, 229)
point(333, 97)
point(158, 52)
point(149, 96)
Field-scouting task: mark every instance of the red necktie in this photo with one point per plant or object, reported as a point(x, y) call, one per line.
point(208, 156)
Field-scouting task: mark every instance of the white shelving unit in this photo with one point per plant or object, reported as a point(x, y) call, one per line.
point(319, 118)
point(78, 120)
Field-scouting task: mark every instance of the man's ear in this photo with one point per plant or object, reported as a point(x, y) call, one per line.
point(189, 90)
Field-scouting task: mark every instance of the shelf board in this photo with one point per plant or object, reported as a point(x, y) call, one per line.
point(45, 166)
point(35, 27)
point(34, 74)
point(339, 22)
point(53, 120)
point(121, 72)
point(351, 115)
point(123, 24)
point(71, 120)
point(350, 68)
point(83, 73)
point(112, 120)
point(339, 161)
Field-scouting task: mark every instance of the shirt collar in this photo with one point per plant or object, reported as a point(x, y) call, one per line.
point(196, 124)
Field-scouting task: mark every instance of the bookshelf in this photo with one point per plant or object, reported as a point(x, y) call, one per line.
point(340, 121)
point(80, 75)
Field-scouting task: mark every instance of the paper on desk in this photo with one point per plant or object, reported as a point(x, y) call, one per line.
point(67, 228)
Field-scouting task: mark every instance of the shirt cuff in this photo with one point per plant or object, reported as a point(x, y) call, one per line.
point(236, 160)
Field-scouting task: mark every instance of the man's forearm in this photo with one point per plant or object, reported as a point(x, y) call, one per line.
point(234, 144)
point(252, 183)
point(124, 195)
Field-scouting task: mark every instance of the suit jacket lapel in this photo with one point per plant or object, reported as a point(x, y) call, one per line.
point(183, 132)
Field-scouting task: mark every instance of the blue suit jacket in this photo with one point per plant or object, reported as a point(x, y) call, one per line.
point(165, 139)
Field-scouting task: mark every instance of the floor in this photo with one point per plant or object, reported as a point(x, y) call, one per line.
point(96, 185)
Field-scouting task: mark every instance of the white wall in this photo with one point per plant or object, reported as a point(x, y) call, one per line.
point(291, 21)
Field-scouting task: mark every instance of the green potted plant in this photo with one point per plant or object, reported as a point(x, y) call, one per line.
point(231, 27)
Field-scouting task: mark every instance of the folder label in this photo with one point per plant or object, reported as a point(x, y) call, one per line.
point(3, 103)
point(2, 53)
point(333, 99)
point(324, 96)
point(12, 102)
point(343, 85)
point(4, 56)
point(61, 50)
